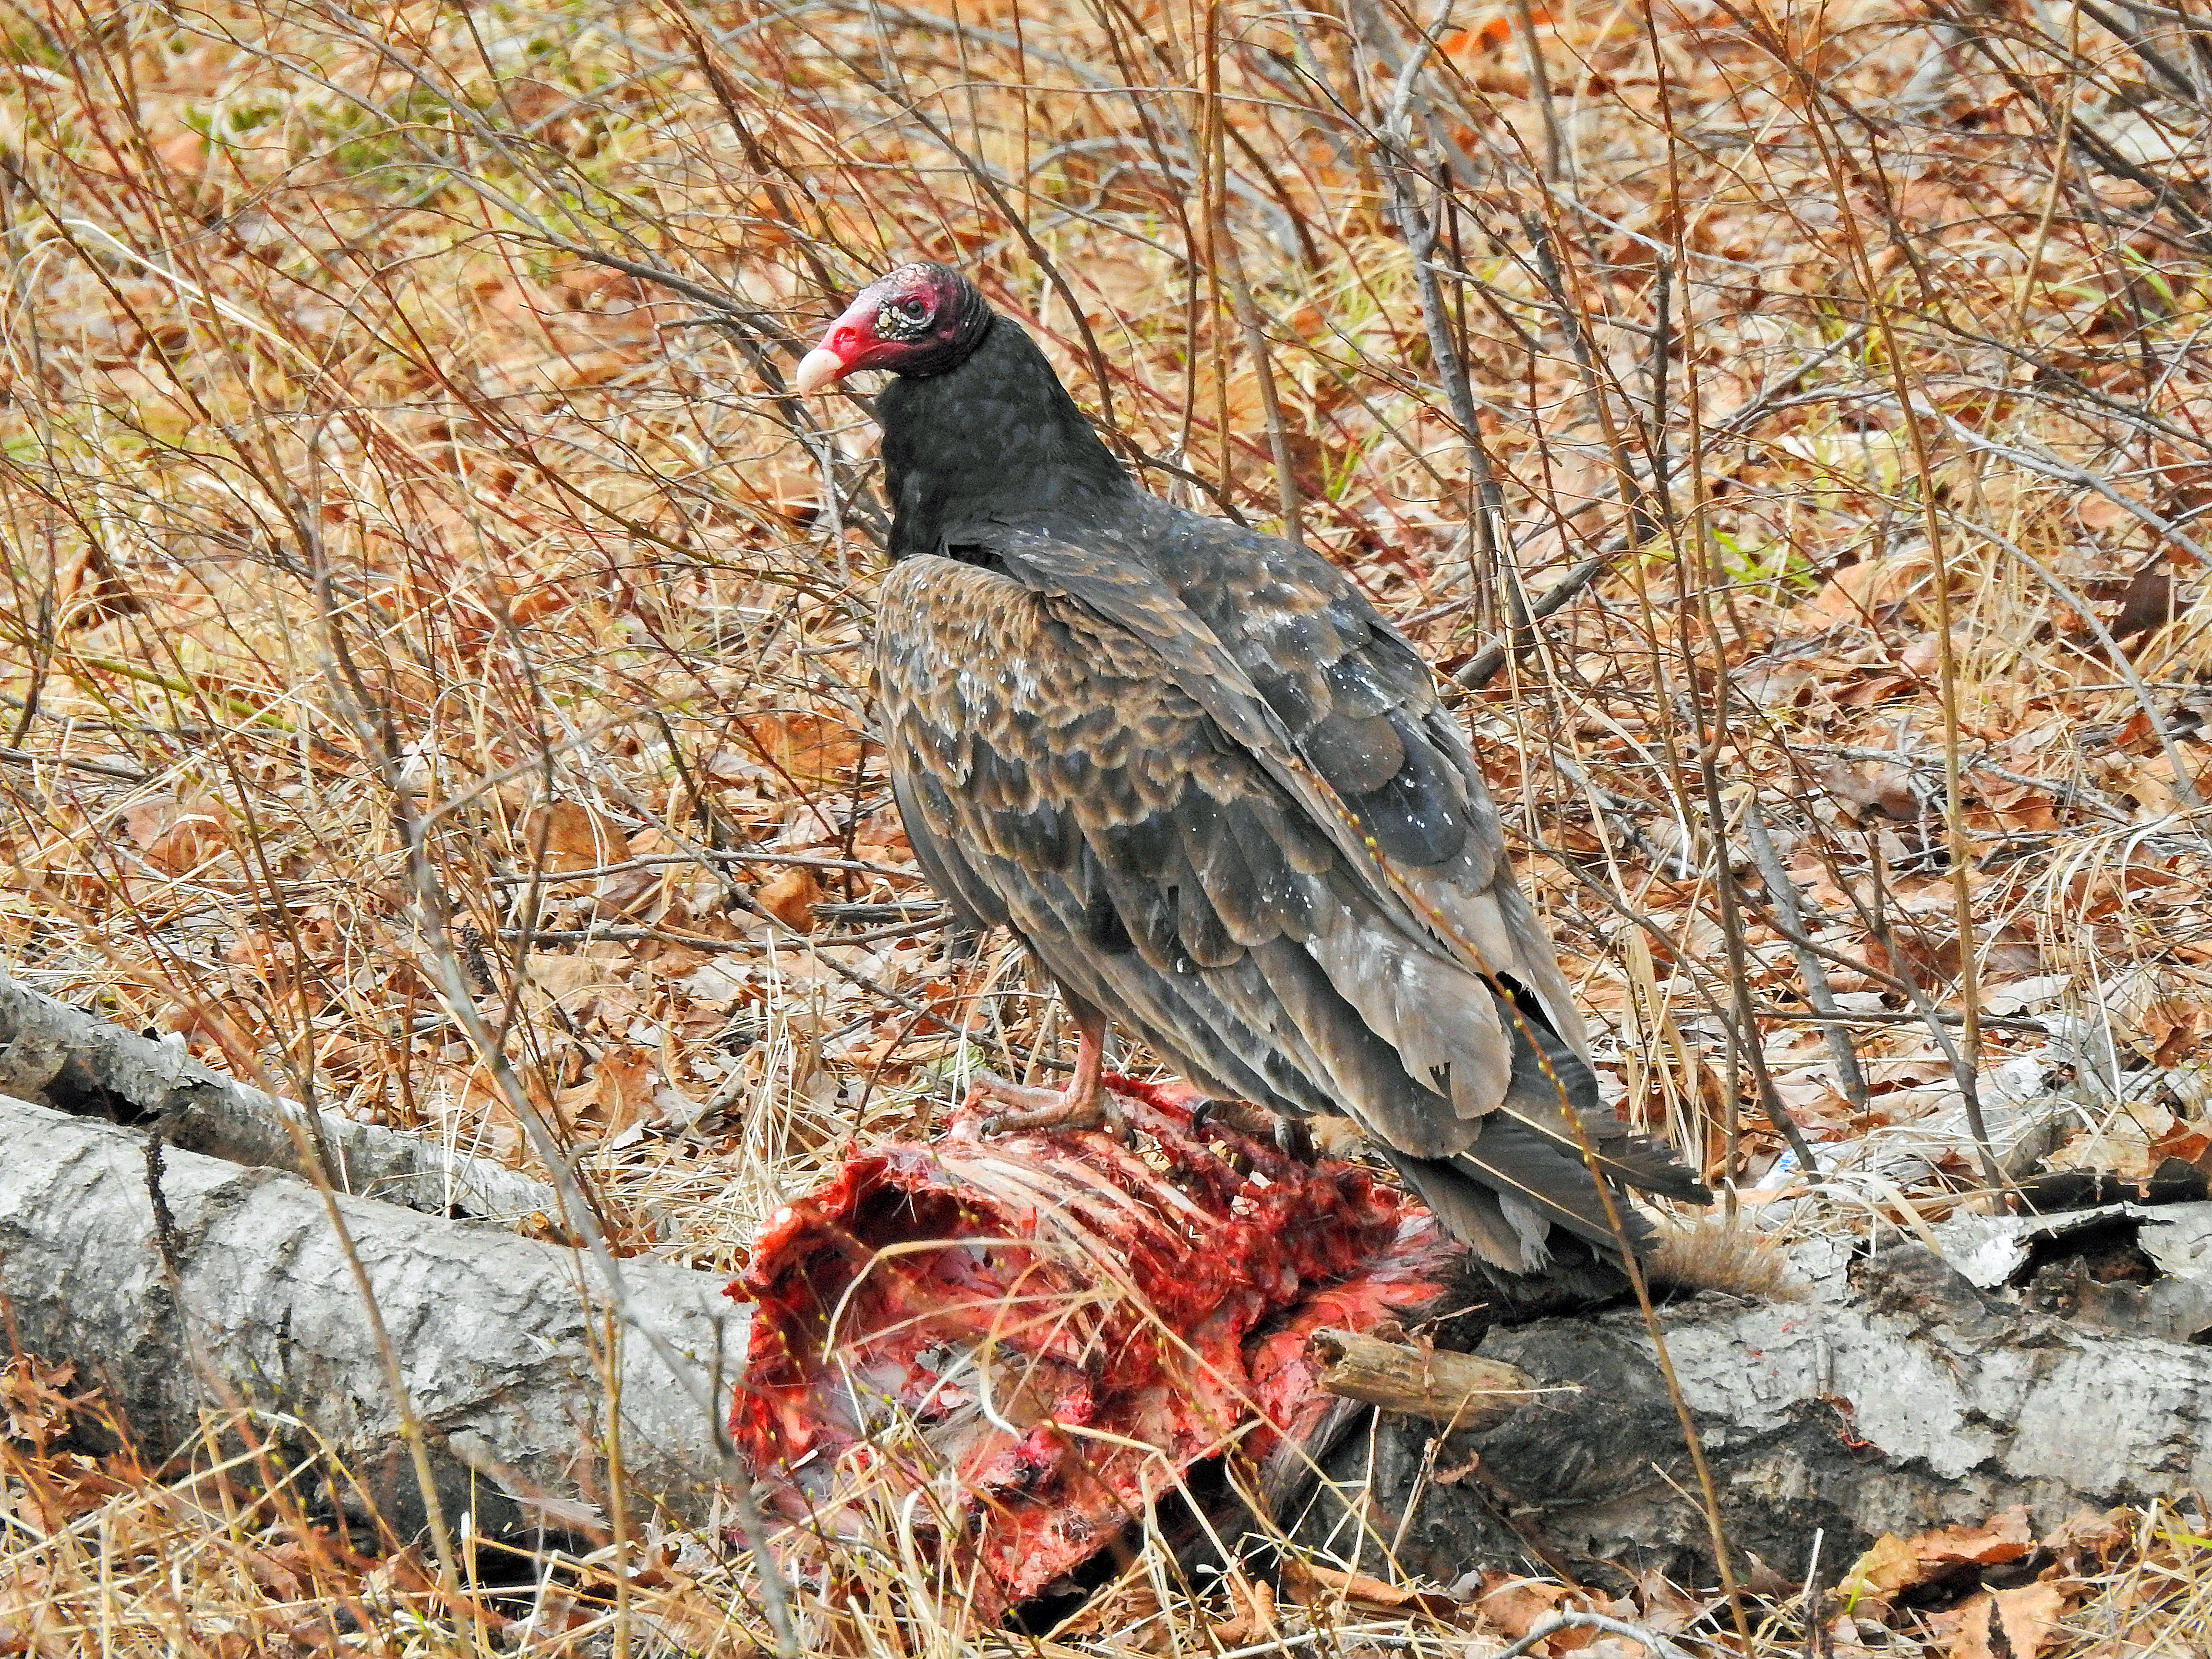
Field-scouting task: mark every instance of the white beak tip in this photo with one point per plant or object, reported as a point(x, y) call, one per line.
point(816, 369)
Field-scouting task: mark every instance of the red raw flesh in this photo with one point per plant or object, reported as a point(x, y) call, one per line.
point(1037, 1333)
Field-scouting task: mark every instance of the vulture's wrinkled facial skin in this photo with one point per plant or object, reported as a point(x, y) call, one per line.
point(921, 319)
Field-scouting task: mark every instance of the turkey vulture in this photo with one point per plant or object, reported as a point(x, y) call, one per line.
point(1212, 792)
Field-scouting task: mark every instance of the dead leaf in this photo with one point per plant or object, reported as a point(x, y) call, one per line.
point(574, 836)
point(32, 1397)
point(1254, 1617)
point(1306, 1581)
point(2028, 1614)
point(2086, 1536)
point(55, 1488)
point(1872, 790)
point(2147, 602)
point(791, 896)
point(1868, 588)
point(1664, 1607)
point(1923, 657)
point(275, 1576)
point(806, 747)
point(1515, 1605)
point(2123, 1142)
point(535, 604)
point(621, 1086)
point(1846, 1641)
point(569, 979)
point(2022, 1620)
point(1876, 689)
point(1895, 1564)
point(178, 835)
point(1965, 1629)
point(2101, 511)
point(1130, 1599)
point(2185, 1142)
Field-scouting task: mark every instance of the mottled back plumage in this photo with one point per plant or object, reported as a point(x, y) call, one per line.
point(1214, 793)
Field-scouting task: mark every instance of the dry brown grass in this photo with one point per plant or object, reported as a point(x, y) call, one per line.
point(1855, 341)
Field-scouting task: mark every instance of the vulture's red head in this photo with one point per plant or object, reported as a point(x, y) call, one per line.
point(921, 319)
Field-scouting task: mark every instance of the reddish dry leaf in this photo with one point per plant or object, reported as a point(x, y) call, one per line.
point(2008, 1624)
point(55, 1488)
point(2029, 1614)
point(2187, 1141)
point(1664, 1607)
point(2102, 512)
point(2147, 602)
point(1895, 1564)
point(570, 980)
point(1864, 590)
point(179, 835)
point(535, 604)
point(1515, 1606)
point(556, 1614)
point(575, 837)
point(887, 846)
point(621, 1086)
point(1873, 791)
point(790, 897)
point(2168, 1030)
point(1307, 1585)
point(635, 894)
point(807, 748)
point(2125, 1142)
point(1964, 1630)
point(31, 1394)
point(1254, 1620)
point(1129, 1601)
point(1483, 38)
point(279, 1579)
point(2017, 808)
point(2086, 1537)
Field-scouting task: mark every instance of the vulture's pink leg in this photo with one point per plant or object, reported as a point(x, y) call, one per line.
point(1086, 1103)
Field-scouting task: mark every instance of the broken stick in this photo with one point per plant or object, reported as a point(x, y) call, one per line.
point(1461, 1390)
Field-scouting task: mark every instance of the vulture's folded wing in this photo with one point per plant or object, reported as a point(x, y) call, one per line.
point(1078, 757)
point(1341, 713)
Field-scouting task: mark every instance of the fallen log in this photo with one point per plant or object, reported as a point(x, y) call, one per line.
point(192, 1291)
point(1892, 1395)
point(64, 1058)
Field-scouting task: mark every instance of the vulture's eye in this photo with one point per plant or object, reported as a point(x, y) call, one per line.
point(903, 320)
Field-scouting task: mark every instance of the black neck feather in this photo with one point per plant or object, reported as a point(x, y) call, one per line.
point(997, 437)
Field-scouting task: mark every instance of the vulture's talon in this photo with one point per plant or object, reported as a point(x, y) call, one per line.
point(1086, 1103)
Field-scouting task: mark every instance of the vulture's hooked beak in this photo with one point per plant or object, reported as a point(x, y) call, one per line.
point(850, 338)
point(815, 370)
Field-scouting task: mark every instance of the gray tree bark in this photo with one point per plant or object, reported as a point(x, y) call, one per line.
point(62, 1057)
point(241, 1308)
point(1896, 1395)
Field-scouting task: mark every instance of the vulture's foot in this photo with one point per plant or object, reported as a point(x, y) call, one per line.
point(1289, 1134)
point(1086, 1103)
point(1069, 1109)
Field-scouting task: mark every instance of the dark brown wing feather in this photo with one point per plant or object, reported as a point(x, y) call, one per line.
point(1080, 756)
